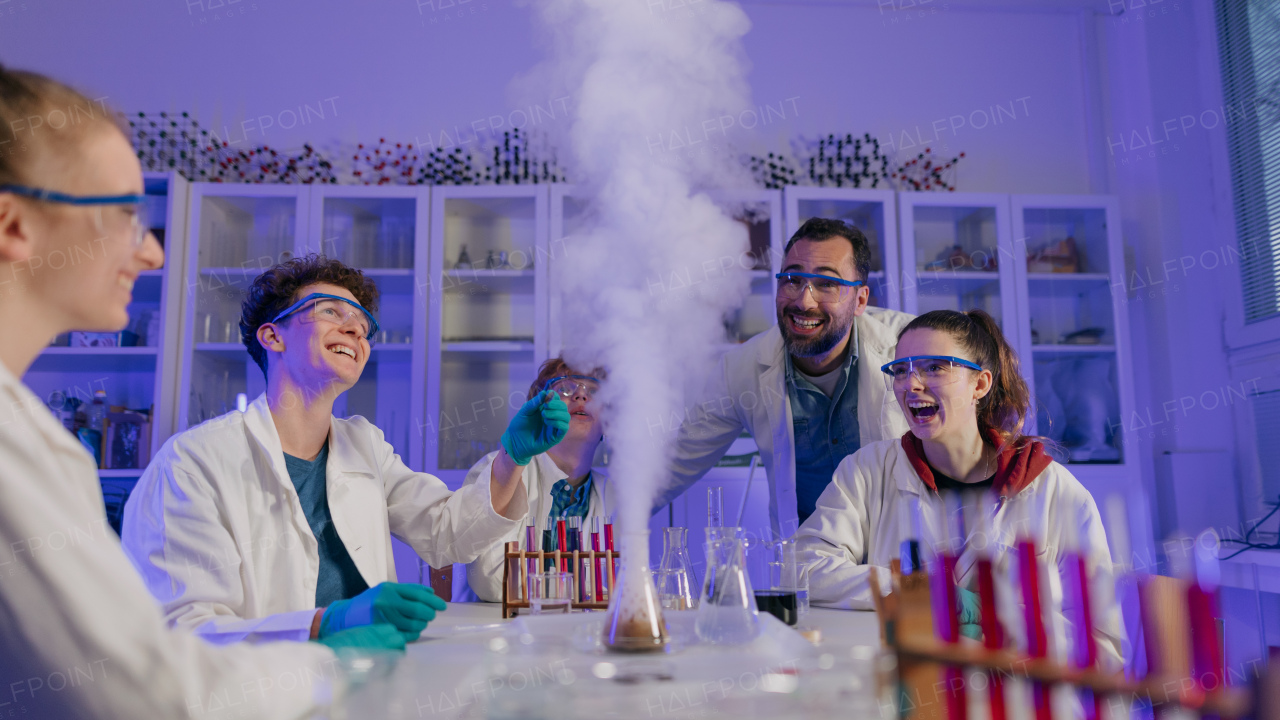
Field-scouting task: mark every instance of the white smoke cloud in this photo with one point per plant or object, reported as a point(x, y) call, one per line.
point(648, 281)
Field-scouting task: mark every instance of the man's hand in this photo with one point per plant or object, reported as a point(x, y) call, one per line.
point(405, 606)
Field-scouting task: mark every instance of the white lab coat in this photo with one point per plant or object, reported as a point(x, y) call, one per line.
point(216, 528)
point(82, 637)
point(749, 391)
point(856, 530)
point(484, 574)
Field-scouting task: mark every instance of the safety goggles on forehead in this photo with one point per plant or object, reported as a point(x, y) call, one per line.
point(321, 307)
point(825, 288)
point(131, 205)
point(569, 385)
point(933, 370)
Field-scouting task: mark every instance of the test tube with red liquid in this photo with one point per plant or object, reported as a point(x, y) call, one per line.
point(946, 620)
point(992, 632)
point(597, 524)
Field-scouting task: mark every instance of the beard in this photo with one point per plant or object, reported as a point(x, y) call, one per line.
point(834, 329)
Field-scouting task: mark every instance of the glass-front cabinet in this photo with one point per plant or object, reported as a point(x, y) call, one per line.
point(487, 317)
point(872, 212)
point(380, 231)
point(236, 232)
point(956, 251)
point(1071, 283)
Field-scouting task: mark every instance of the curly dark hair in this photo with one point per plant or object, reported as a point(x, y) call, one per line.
point(824, 229)
point(278, 287)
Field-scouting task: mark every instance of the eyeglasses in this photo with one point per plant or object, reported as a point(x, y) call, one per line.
point(933, 370)
point(320, 307)
point(825, 288)
point(130, 203)
point(569, 385)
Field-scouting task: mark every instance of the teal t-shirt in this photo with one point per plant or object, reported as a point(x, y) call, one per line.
point(339, 578)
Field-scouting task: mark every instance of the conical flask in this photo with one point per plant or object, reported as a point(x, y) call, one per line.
point(727, 612)
point(675, 573)
point(635, 621)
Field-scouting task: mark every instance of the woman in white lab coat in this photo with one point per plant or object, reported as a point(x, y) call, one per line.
point(957, 381)
point(81, 636)
point(561, 480)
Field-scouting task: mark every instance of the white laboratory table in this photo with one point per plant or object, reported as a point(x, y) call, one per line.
point(470, 663)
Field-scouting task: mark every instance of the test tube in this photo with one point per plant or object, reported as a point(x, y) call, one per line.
point(531, 544)
point(1033, 611)
point(982, 508)
point(909, 526)
point(943, 591)
point(1202, 606)
point(597, 525)
point(608, 545)
point(1077, 597)
point(575, 534)
point(715, 507)
point(562, 543)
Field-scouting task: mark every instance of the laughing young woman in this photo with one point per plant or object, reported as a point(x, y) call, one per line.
point(71, 604)
point(957, 381)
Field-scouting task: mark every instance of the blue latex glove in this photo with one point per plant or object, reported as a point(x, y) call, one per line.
point(970, 607)
point(406, 607)
point(538, 425)
point(367, 637)
point(970, 613)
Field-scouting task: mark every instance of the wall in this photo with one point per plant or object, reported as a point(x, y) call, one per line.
point(424, 70)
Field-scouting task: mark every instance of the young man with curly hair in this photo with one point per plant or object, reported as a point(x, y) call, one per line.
point(276, 523)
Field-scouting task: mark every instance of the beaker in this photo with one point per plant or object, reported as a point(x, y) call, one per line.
point(727, 612)
point(786, 594)
point(675, 576)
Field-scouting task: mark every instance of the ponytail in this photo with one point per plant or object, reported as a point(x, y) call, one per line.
point(1004, 409)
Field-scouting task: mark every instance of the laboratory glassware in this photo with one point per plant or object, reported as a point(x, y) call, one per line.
point(550, 593)
point(715, 507)
point(634, 622)
point(675, 573)
point(727, 613)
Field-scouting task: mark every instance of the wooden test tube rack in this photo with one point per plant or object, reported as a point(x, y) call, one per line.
point(515, 576)
point(906, 628)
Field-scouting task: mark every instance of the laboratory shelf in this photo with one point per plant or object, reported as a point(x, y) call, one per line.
point(489, 347)
point(1069, 277)
point(90, 359)
point(498, 282)
point(1069, 349)
point(121, 473)
point(977, 275)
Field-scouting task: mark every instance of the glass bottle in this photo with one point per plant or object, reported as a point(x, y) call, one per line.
point(464, 260)
point(97, 415)
point(727, 612)
point(634, 622)
point(675, 573)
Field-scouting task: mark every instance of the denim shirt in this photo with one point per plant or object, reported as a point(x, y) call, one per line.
point(826, 428)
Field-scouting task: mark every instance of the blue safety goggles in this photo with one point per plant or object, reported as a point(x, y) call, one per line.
point(931, 369)
point(65, 199)
point(323, 307)
point(566, 386)
point(825, 288)
point(137, 228)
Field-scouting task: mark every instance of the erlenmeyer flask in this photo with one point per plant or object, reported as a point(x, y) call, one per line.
point(727, 611)
point(675, 574)
point(635, 623)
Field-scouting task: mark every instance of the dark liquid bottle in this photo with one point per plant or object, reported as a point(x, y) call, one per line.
point(781, 604)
